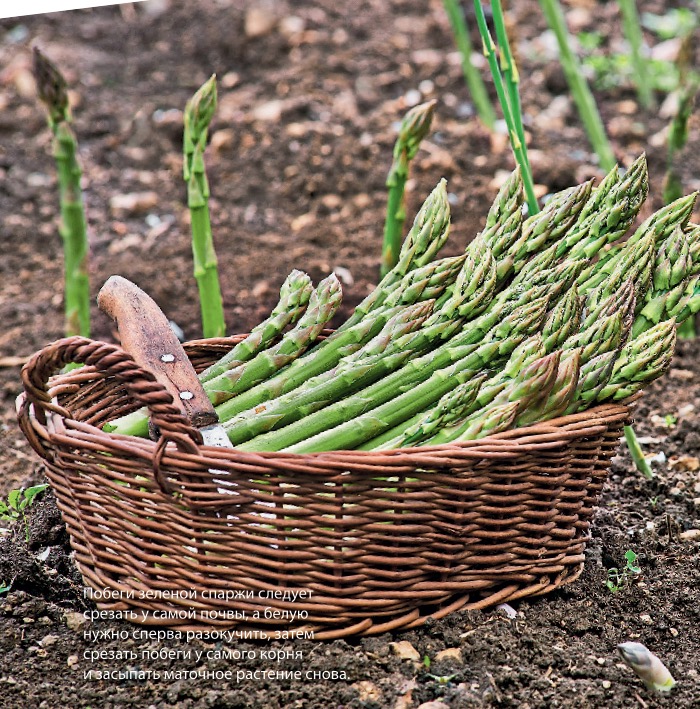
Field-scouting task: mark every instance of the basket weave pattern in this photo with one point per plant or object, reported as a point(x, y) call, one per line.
point(378, 540)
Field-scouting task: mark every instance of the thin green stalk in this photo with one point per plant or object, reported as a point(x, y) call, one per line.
point(580, 91)
point(51, 87)
point(518, 146)
point(477, 88)
point(677, 138)
point(510, 73)
point(414, 127)
point(635, 449)
point(633, 34)
point(198, 114)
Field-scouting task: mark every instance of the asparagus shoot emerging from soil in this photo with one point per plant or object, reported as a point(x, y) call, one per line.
point(648, 666)
point(51, 87)
point(414, 127)
point(198, 114)
point(477, 89)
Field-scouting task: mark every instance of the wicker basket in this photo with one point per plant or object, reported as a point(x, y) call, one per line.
point(340, 543)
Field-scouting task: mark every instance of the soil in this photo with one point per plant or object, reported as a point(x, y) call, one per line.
point(310, 97)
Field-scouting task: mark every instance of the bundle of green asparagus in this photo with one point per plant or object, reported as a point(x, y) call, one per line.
point(540, 317)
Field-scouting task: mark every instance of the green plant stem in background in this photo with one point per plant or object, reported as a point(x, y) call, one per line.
point(633, 34)
point(580, 91)
point(198, 114)
point(518, 147)
point(477, 89)
point(510, 73)
point(678, 136)
point(636, 452)
point(51, 87)
point(689, 84)
point(414, 127)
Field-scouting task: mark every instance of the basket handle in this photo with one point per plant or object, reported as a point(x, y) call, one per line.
point(112, 361)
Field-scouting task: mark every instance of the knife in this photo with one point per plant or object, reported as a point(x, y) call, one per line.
point(146, 335)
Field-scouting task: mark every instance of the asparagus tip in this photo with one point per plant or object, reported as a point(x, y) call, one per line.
point(51, 86)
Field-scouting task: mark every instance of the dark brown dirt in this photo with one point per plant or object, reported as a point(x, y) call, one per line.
point(300, 149)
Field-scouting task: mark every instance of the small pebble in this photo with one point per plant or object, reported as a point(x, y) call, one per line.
point(76, 621)
point(291, 25)
point(268, 112)
point(259, 21)
point(404, 650)
point(450, 653)
point(412, 98)
point(691, 535)
point(133, 203)
point(367, 691)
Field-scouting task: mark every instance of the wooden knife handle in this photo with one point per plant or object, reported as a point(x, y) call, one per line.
point(147, 336)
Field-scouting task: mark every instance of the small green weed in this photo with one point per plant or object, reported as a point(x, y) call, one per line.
point(17, 503)
point(610, 70)
point(617, 578)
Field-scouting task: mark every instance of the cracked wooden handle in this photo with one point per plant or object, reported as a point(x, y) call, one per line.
point(147, 336)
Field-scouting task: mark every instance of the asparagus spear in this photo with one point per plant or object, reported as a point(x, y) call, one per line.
point(688, 304)
point(660, 225)
point(414, 127)
point(560, 396)
point(507, 205)
point(383, 354)
point(530, 386)
point(643, 359)
point(475, 284)
point(51, 87)
point(413, 388)
point(473, 287)
point(323, 303)
point(603, 335)
point(448, 410)
point(294, 297)
point(557, 217)
point(344, 340)
point(562, 320)
point(198, 114)
point(428, 282)
point(609, 213)
point(672, 286)
point(504, 223)
point(633, 262)
point(494, 420)
point(600, 303)
point(593, 376)
point(425, 238)
point(672, 263)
